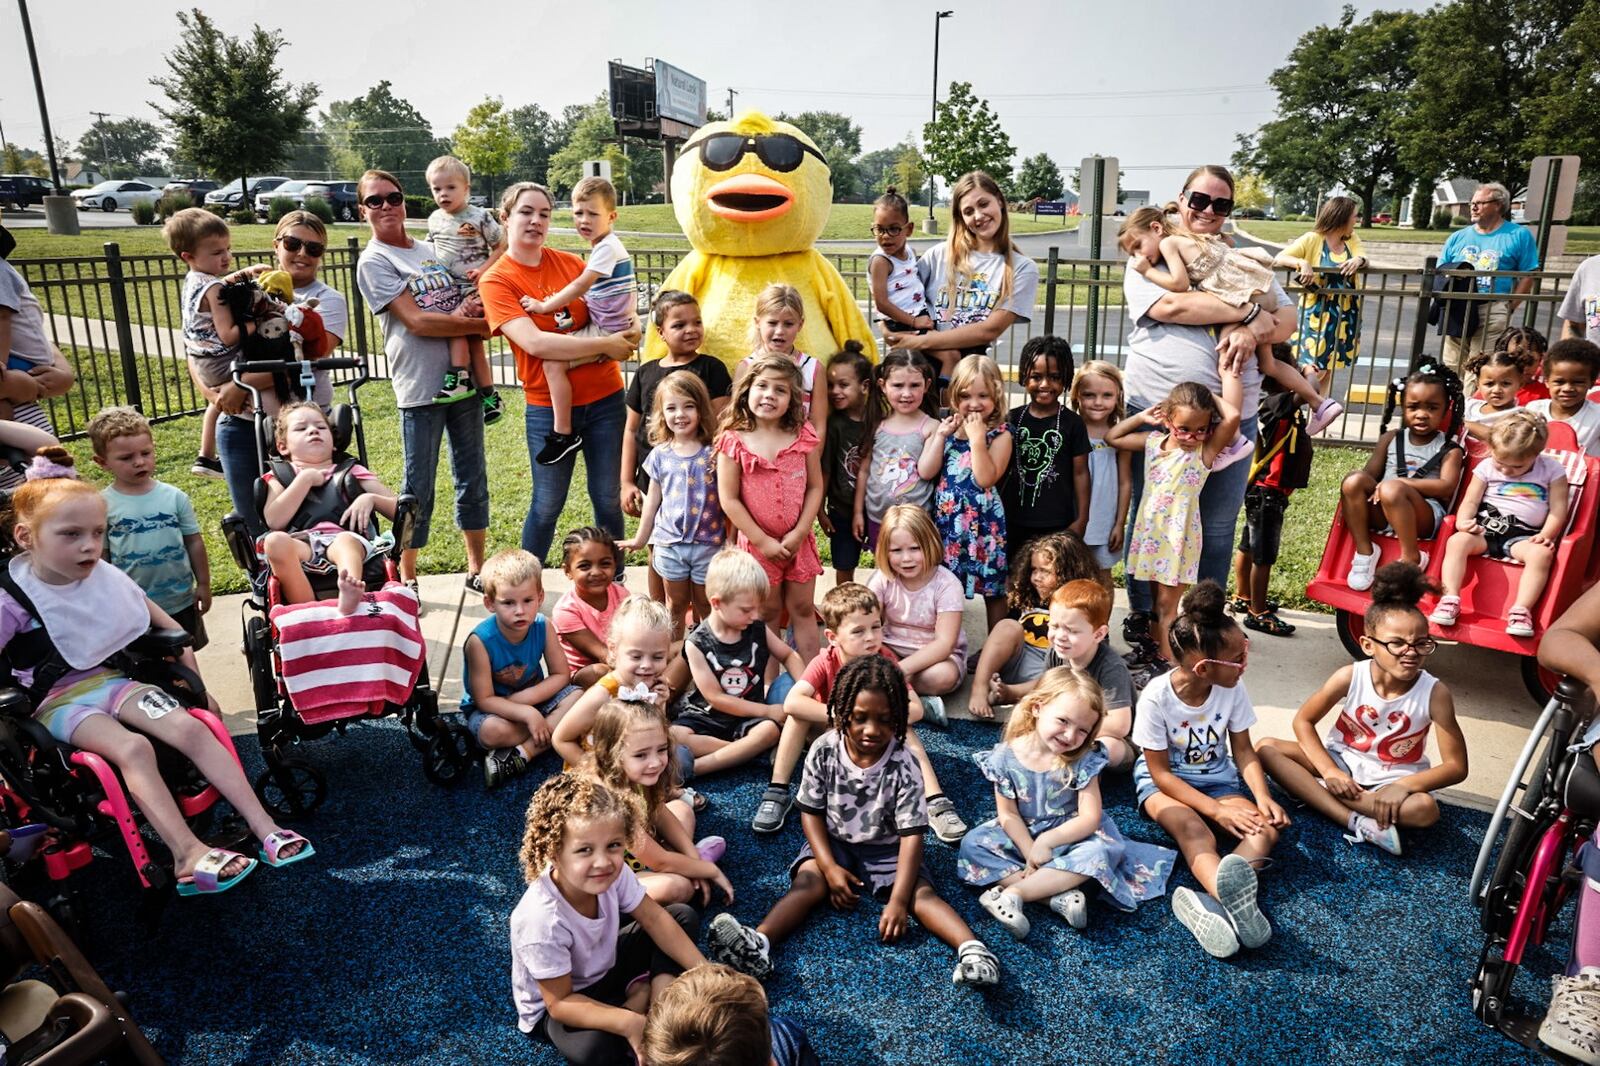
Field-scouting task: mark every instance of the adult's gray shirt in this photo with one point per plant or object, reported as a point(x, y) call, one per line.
point(417, 365)
point(1582, 303)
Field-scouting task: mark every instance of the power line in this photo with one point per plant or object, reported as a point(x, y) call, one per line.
point(1205, 90)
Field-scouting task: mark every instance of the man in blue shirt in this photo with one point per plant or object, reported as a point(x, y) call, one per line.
point(1493, 243)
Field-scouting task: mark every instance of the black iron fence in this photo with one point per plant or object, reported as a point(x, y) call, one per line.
point(118, 319)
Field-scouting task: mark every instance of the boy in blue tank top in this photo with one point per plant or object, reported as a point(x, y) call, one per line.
point(509, 701)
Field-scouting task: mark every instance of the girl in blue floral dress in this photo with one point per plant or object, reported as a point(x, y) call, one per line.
point(969, 453)
point(1052, 834)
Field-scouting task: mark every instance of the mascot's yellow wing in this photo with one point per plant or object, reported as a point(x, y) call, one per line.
point(839, 307)
point(692, 275)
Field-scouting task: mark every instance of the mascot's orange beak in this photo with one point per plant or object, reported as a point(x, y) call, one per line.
point(749, 198)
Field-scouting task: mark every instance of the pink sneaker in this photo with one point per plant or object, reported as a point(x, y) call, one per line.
point(711, 848)
point(1241, 448)
point(1324, 415)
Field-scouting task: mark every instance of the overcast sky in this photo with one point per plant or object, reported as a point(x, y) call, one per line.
point(1161, 84)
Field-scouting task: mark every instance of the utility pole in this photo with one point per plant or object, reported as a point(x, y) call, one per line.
point(105, 153)
point(61, 215)
point(932, 224)
point(731, 94)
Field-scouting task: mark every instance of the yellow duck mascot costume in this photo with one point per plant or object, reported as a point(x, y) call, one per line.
point(752, 196)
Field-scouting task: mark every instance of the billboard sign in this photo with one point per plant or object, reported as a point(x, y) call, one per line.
point(680, 95)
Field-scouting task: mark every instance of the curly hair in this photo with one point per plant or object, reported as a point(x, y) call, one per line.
point(1054, 684)
point(870, 673)
point(1046, 346)
point(113, 423)
point(566, 798)
point(738, 416)
point(666, 300)
point(588, 535)
point(1070, 560)
point(1522, 360)
point(1396, 588)
point(1574, 350)
point(612, 725)
point(1202, 624)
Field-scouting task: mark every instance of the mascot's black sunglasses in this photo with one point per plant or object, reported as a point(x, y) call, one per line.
point(779, 151)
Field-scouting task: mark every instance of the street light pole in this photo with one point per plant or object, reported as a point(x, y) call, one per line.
point(932, 224)
point(38, 88)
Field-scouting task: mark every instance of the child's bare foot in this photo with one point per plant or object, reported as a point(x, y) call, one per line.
point(350, 592)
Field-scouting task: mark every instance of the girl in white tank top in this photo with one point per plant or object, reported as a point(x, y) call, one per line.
point(1371, 773)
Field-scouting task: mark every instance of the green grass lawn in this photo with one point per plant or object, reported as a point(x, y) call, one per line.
point(1305, 527)
point(1580, 239)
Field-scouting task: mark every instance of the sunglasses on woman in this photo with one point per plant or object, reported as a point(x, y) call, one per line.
point(778, 151)
point(394, 199)
point(312, 248)
point(1219, 205)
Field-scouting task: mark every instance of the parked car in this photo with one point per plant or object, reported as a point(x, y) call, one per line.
point(291, 189)
point(194, 188)
point(340, 195)
point(229, 195)
point(21, 190)
point(112, 195)
point(1383, 218)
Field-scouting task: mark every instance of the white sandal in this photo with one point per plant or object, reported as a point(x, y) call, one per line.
point(976, 965)
point(1007, 910)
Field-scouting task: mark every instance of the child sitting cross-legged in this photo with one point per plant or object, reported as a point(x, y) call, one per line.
point(1372, 774)
point(854, 621)
point(864, 815)
point(716, 1016)
point(317, 518)
point(1052, 834)
point(726, 707)
point(508, 700)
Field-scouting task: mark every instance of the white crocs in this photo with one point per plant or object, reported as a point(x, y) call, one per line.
point(1006, 909)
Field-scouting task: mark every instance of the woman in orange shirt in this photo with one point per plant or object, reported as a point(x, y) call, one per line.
point(530, 269)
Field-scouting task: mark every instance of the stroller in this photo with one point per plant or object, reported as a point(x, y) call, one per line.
point(291, 785)
point(1533, 876)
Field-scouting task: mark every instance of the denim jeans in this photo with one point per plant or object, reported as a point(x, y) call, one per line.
point(1221, 501)
point(241, 467)
point(422, 429)
point(602, 424)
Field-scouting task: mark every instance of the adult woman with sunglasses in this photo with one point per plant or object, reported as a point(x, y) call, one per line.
point(530, 269)
point(300, 242)
point(419, 307)
point(1178, 337)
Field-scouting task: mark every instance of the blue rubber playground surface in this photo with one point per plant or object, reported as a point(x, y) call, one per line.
point(391, 946)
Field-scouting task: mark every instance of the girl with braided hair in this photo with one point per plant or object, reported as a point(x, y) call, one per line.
point(575, 961)
point(864, 814)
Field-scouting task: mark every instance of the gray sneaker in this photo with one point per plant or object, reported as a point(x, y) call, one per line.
point(1209, 928)
point(776, 803)
point(501, 765)
point(1572, 1025)
point(1236, 890)
point(945, 822)
point(739, 946)
point(934, 713)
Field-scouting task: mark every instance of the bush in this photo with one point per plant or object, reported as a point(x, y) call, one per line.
point(172, 203)
point(241, 216)
point(143, 212)
point(420, 206)
point(220, 210)
point(319, 207)
point(279, 206)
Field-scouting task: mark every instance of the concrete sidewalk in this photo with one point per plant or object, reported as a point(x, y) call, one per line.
point(1494, 709)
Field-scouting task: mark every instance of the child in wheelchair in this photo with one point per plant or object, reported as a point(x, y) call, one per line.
point(66, 616)
point(319, 510)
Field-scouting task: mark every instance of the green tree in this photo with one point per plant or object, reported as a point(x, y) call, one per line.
point(911, 174)
point(381, 131)
point(23, 161)
point(123, 148)
point(537, 141)
point(965, 135)
point(1488, 72)
point(310, 156)
point(1343, 106)
point(487, 142)
point(838, 138)
point(591, 129)
point(1038, 177)
point(230, 109)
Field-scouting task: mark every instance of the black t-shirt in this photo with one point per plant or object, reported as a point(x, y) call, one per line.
point(1039, 492)
point(841, 456)
point(740, 668)
point(642, 393)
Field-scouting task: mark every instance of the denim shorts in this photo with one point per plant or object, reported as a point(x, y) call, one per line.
point(1222, 780)
point(679, 562)
point(473, 718)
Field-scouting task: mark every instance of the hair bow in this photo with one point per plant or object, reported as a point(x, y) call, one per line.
point(640, 693)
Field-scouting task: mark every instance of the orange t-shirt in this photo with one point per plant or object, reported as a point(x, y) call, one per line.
point(504, 284)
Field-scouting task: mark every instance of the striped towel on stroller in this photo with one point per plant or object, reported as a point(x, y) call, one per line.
point(338, 666)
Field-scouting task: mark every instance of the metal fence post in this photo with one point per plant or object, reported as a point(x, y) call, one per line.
point(119, 308)
point(358, 306)
point(1050, 291)
point(1419, 329)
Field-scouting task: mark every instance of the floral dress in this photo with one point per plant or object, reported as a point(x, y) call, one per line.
point(1167, 535)
point(971, 521)
point(1128, 872)
point(1328, 336)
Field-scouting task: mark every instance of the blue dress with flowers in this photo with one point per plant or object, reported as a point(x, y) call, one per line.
point(1128, 872)
point(971, 521)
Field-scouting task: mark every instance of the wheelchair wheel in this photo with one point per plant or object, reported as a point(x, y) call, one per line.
point(448, 756)
point(1491, 986)
point(291, 788)
point(1351, 628)
point(1540, 683)
point(258, 653)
